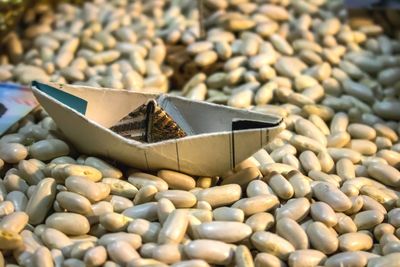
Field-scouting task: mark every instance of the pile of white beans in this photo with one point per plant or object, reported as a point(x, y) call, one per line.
point(325, 192)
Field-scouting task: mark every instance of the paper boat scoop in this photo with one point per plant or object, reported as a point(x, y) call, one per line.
point(216, 137)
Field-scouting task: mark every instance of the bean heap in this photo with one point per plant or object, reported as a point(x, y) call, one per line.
point(325, 192)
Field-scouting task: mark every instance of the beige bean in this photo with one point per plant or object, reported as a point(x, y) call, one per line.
point(264, 94)
point(322, 212)
point(203, 205)
point(306, 257)
point(104, 57)
point(68, 223)
point(12, 152)
point(289, 66)
point(206, 182)
point(180, 198)
point(80, 170)
point(228, 232)
point(256, 204)
point(198, 47)
point(260, 221)
point(146, 211)
point(281, 44)
point(42, 257)
point(355, 242)
point(280, 185)
point(307, 128)
point(302, 143)
point(119, 203)
point(329, 194)
point(122, 252)
point(243, 177)
point(233, 77)
point(326, 161)
point(74, 202)
point(345, 169)
point(296, 209)
point(18, 199)
point(300, 184)
point(383, 130)
point(55, 239)
point(79, 249)
point(258, 187)
point(114, 222)
point(388, 238)
point(353, 258)
point(243, 257)
point(292, 231)
point(120, 187)
point(168, 253)
point(390, 156)
point(174, 227)
point(321, 176)
point(309, 161)
point(228, 214)
point(211, 251)
point(13, 182)
point(322, 238)
point(206, 58)
point(362, 146)
point(278, 167)
point(379, 195)
point(48, 149)
point(241, 99)
point(58, 257)
point(40, 202)
point(338, 140)
point(249, 45)
point(268, 260)
point(87, 188)
point(368, 219)
point(31, 241)
point(141, 179)
point(357, 204)
point(372, 204)
point(361, 131)
point(304, 81)
point(106, 169)
point(220, 195)
point(95, 256)
point(382, 229)
point(291, 160)
point(6, 208)
point(145, 194)
point(391, 247)
point(14, 222)
point(73, 263)
point(387, 109)
point(164, 208)
point(132, 239)
point(272, 243)
point(30, 172)
point(394, 217)
point(383, 143)
point(99, 208)
point(139, 262)
point(324, 112)
point(176, 180)
point(384, 173)
point(357, 90)
point(148, 231)
point(10, 240)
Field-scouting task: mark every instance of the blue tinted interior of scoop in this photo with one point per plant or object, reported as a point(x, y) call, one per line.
point(72, 101)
